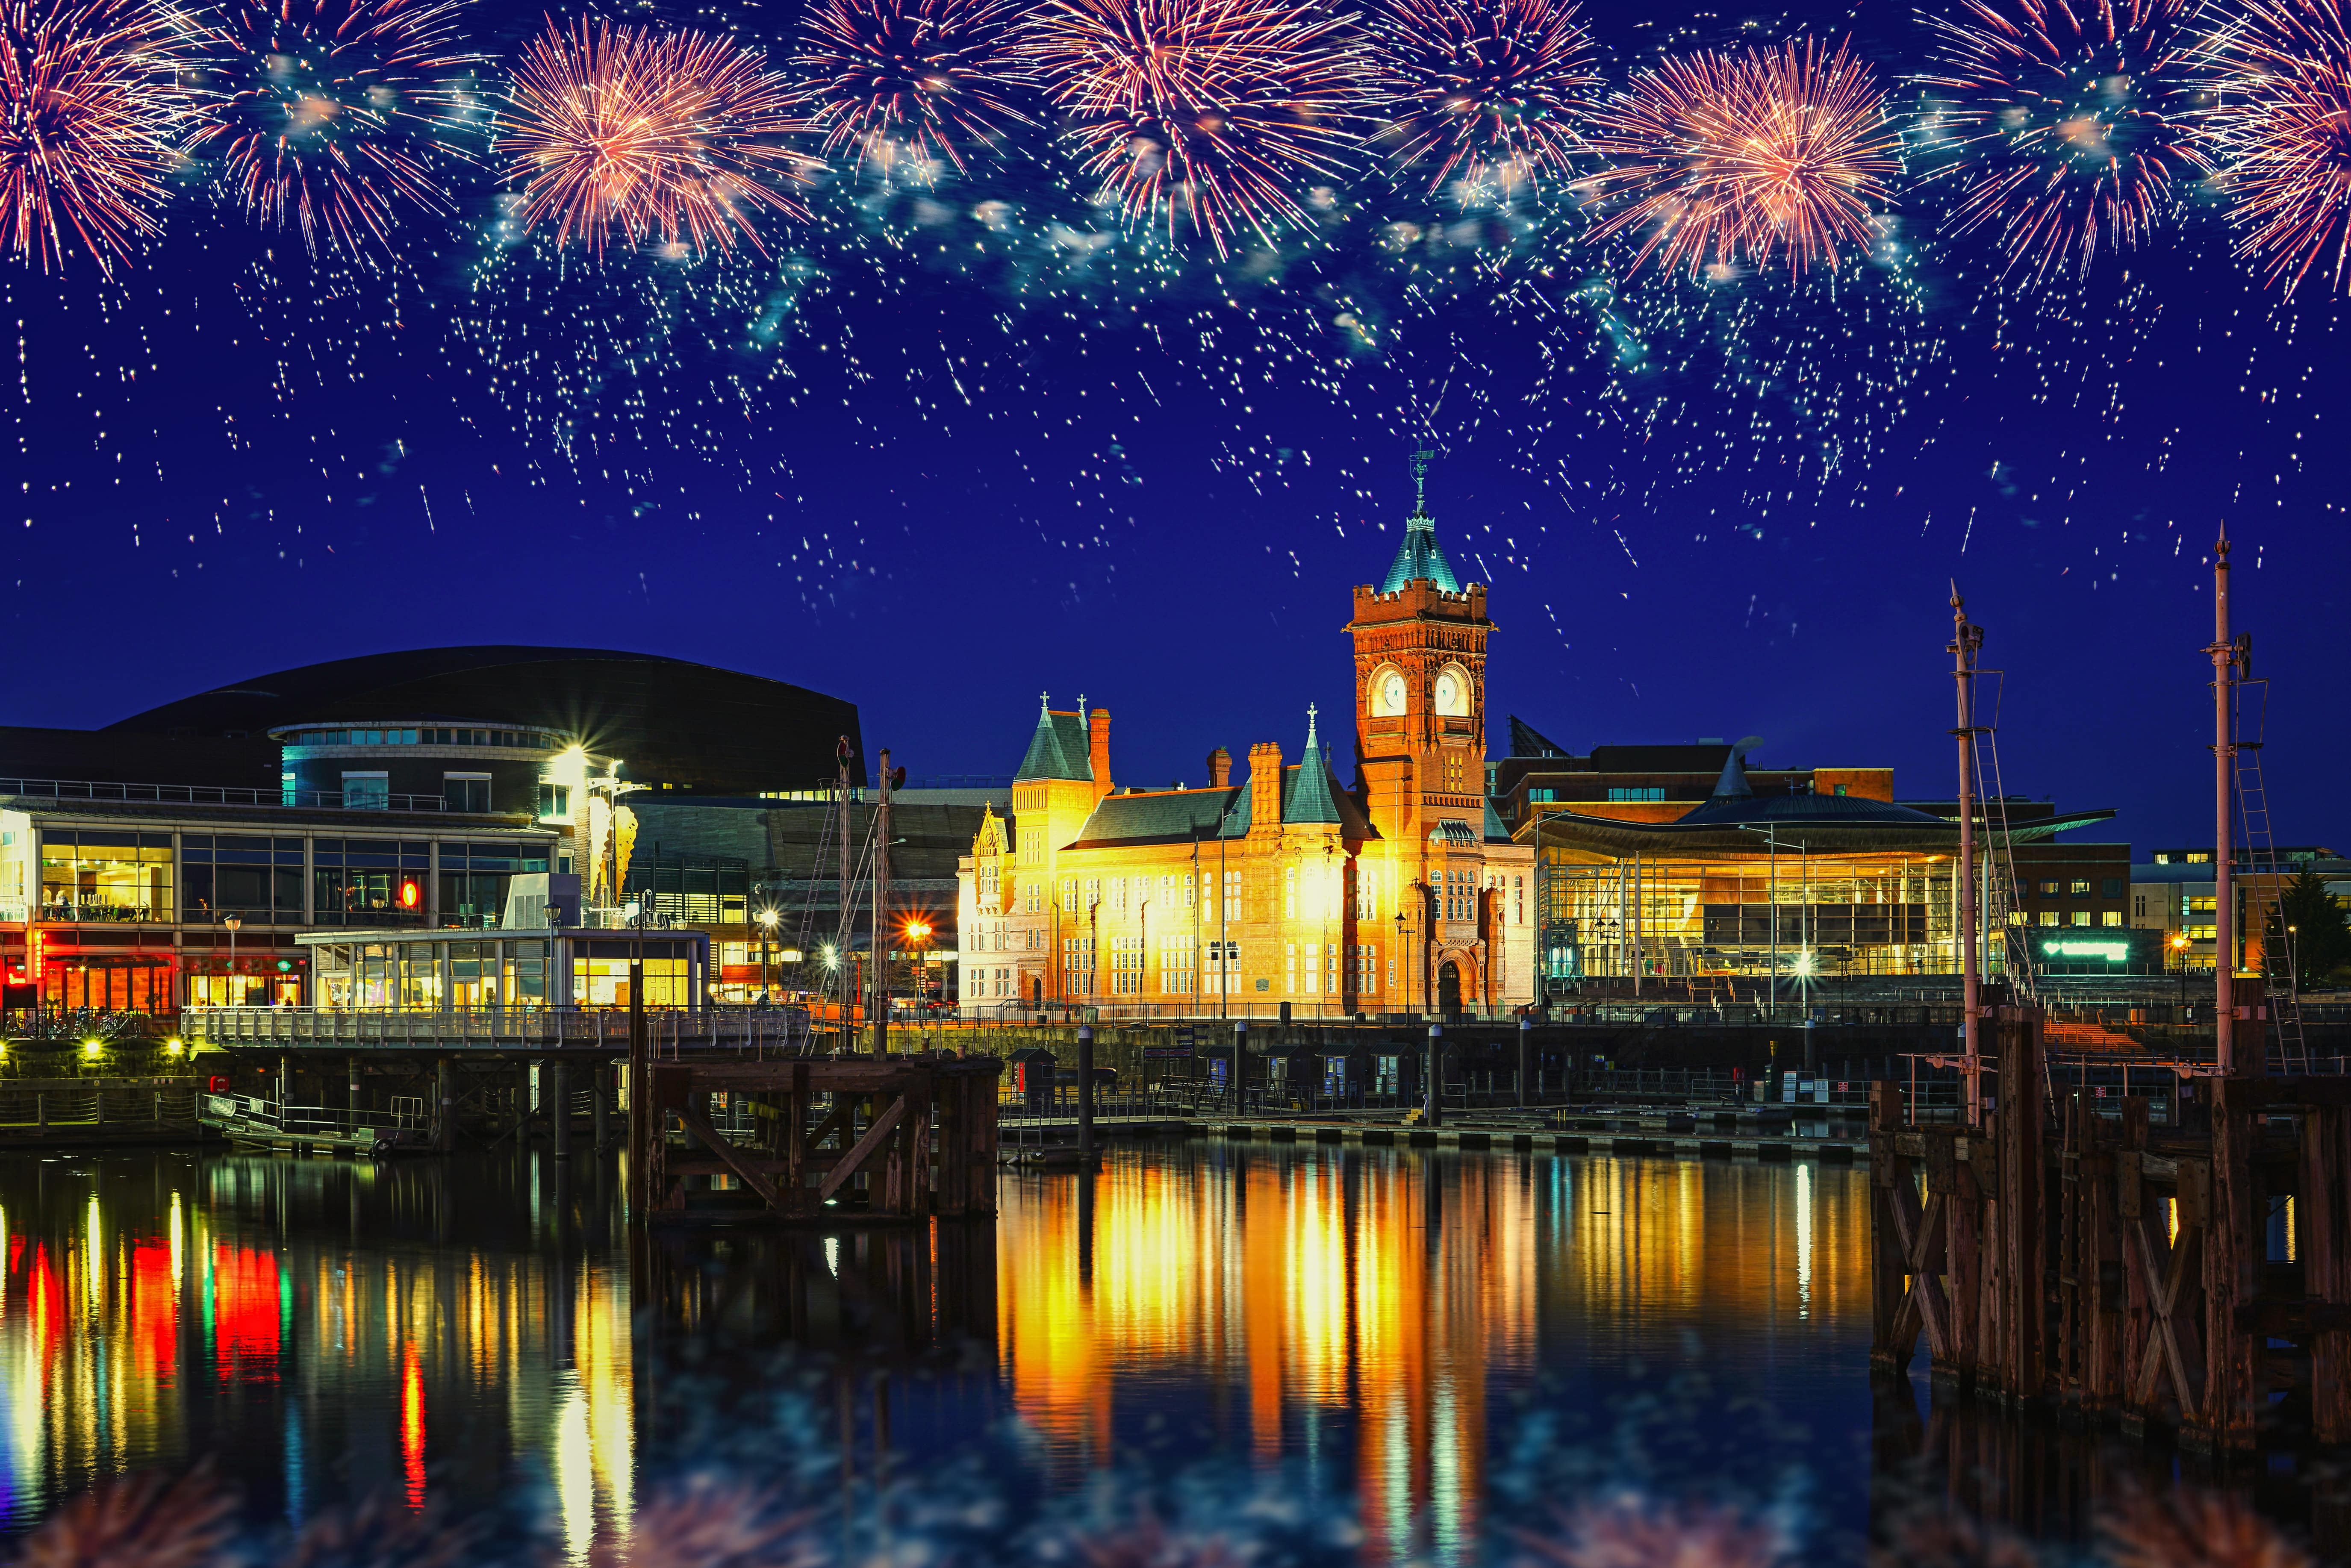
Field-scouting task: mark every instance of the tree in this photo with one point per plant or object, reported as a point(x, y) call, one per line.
point(2321, 931)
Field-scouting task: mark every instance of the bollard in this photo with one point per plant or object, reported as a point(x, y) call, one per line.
point(1526, 1055)
point(1433, 1114)
point(1086, 1093)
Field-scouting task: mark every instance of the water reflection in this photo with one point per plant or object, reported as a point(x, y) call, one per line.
point(1375, 1325)
point(319, 1329)
point(1365, 1312)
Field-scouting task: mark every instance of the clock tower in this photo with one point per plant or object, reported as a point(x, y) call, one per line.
point(1420, 723)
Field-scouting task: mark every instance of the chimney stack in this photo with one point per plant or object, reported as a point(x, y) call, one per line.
point(1264, 787)
point(1098, 748)
point(1220, 769)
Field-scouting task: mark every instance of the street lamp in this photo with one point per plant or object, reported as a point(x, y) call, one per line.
point(767, 939)
point(233, 925)
point(2179, 951)
point(1403, 942)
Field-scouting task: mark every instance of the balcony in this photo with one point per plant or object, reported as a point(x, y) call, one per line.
point(213, 795)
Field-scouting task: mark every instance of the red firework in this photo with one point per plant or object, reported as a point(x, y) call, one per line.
point(932, 76)
point(679, 137)
point(1480, 86)
point(324, 113)
point(2074, 120)
point(1210, 112)
point(2281, 134)
point(88, 110)
point(1744, 158)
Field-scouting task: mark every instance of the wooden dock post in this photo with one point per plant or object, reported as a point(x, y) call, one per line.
point(2023, 1334)
point(920, 1131)
point(2323, 1215)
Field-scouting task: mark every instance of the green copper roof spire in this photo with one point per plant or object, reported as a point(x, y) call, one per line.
point(1421, 558)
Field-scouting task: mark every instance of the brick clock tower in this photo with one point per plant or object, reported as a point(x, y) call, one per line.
point(1420, 754)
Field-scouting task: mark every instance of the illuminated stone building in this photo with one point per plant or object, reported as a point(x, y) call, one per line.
point(1401, 892)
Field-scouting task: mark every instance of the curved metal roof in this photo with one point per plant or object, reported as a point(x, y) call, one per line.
point(693, 725)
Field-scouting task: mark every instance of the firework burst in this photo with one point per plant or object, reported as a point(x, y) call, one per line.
point(931, 78)
point(1483, 87)
point(2281, 135)
point(1210, 113)
point(325, 114)
point(2072, 121)
point(1730, 158)
point(679, 137)
point(88, 113)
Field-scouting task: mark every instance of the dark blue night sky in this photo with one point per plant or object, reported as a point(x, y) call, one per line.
point(936, 455)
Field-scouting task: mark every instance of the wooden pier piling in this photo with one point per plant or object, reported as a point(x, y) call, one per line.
point(2069, 1259)
point(888, 1138)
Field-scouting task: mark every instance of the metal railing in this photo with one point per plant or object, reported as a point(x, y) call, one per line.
point(320, 1121)
point(666, 1029)
point(219, 795)
point(98, 1107)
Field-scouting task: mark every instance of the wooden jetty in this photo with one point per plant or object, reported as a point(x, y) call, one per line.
point(903, 1139)
point(2056, 1256)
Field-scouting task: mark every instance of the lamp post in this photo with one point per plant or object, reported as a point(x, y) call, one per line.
point(2179, 951)
point(1404, 941)
point(767, 940)
point(235, 988)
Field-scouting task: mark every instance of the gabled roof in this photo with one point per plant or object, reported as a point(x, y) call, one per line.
point(1059, 748)
point(1495, 833)
point(1165, 817)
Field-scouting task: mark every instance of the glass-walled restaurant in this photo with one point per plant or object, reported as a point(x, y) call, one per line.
point(162, 911)
point(435, 972)
point(1749, 916)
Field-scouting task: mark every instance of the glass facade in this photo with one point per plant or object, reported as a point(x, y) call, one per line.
point(433, 976)
point(1813, 915)
point(369, 882)
point(474, 878)
point(258, 880)
point(604, 983)
point(110, 877)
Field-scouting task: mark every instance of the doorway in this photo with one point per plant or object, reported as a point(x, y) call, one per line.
point(1448, 988)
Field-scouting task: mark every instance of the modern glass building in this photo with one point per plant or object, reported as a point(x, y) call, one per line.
point(150, 905)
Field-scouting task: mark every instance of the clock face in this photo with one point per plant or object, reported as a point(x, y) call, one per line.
point(1452, 698)
point(1387, 699)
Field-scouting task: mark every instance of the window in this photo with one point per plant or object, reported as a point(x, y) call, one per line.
point(2081, 887)
point(1289, 967)
point(1519, 898)
point(1177, 977)
point(1232, 895)
point(2195, 905)
point(1290, 892)
point(1545, 796)
point(1365, 968)
point(110, 877)
point(1841, 790)
point(1638, 792)
point(1069, 895)
point(2051, 889)
point(2203, 858)
point(2079, 917)
point(1126, 960)
point(369, 882)
point(367, 792)
point(2110, 917)
point(1077, 966)
point(555, 801)
point(465, 791)
point(2048, 917)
